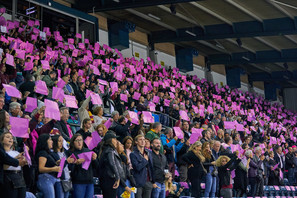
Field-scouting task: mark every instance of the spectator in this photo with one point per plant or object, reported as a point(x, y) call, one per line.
point(225, 166)
point(254, 176)
point(122, 129)
point(194, 160)
point(289, 164)
point(15, 109)
point(127, 181)
point(128, 146)
point(83, 111)
point(115, 116)
point(212, 173)
point(160, 167)
point(50, 81)
point(82, 178)
point(14, 184)
point(273, 172)
point(62, 186)
point(98, 116)
point(241, 175)
point(142, 164)
point(62, 125)
point(85, 130)
point(110, 162)
point(155, 133)
point(47, 167)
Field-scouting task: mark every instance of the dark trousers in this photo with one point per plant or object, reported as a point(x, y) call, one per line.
point(145, 191)
point(196, 187)
point(260, 186)
point(7, 190)
point(253, 183)
point(171, 167)
point(106, 186)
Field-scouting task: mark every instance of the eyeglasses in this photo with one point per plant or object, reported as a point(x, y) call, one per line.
point(80, 140)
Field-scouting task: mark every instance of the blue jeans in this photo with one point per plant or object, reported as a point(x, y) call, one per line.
point(210, 186)
point(121, 189)
point(46, 184)
point(159, 192)
point(59, 191)
point(83, 191)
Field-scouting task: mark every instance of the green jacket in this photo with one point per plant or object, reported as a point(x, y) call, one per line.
point(152, 135)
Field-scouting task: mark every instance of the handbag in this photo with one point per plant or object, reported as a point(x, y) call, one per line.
point(66, 185)
point(16, 179)
point(214, 173)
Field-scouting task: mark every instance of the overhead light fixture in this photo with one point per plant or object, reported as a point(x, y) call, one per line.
point(118, 1)
point(267, 68)
point(284, 4)
point(172, 9)
point(154, 17)
point(190, 33)
point(245, 58)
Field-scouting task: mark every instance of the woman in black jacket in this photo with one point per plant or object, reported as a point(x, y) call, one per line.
point(225, 166)
point(273, 179)
point(81, 173)
point(127, 181)
point(194, 159)
point(110, 163)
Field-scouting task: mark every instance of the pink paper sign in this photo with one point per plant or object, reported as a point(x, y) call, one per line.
point(93, 141)
point(31, 104)
point(71, 102)
point(62, 162)
point(19, 127)
point(52, 110)
point(88, 158)
point(27, 156)
point(147, 117)
point(12, 91)
point(41, 87)
point(178, 132)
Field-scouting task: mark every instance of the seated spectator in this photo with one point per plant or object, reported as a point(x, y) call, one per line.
point(98, 116)
point(62, 125)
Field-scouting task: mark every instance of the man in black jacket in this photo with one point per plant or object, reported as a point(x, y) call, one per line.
point(159, 167)
point(122, 129)
point(182, 165)
point(289, 165)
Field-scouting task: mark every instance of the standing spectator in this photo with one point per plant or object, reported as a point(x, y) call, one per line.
point(115, 117)
point(128, 146)
point(209, 165)
point(279, 158)
point(171, 148)
point(127, 181)
point(14, 185)
point(160, 167)
point(50, 81)
point(289, 164)
point(83, 112)
point(206, 136)
point(225, 166)
point(241, 175)
point(58, 153)
point(155, 133)
point(273, 172)
point(142, 164)
point(110, 169)
point(82, 179)
point(194, 160)
point(254, 175)
point(182, 165)
point(47, 167)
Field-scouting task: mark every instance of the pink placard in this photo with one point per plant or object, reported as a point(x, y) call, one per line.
point(62, 162)
point(41, 87)
point(184, 115)
point(52, 110)
point(93, 141)
point(71, 102)
point(27, 156)
point(96, 99)
point(134, 117)
point(45, 64)
point(58, 94)
point(147, 117)
point(10, 60)
point(12, 91)
point(178, 132)
point(31, 104)
point(61, 83)
point(124, 97)
point(108, 123)
point(136, 96)
point(19, 127)
point(88, 158)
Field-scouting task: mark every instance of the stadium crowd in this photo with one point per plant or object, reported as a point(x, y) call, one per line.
point(79, 119)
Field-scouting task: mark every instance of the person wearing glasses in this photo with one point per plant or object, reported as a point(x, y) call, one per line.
point(82, 176)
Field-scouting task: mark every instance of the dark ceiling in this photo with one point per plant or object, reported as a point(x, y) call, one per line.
point(257, 35)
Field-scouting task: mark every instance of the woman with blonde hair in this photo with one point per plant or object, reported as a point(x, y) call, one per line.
point(209, 164)
point(196, 170)
point(98, 116)
point(225, 166)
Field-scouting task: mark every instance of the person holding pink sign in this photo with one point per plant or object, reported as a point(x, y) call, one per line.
point(63, 186)
point(14, 184)
point(82, 177)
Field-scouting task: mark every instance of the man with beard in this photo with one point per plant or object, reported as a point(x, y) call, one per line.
point(159, 167)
